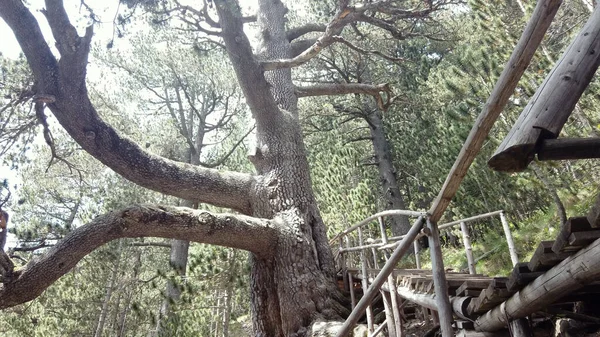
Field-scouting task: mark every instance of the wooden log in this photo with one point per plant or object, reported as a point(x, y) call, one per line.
point(568, 276)
point(444, 309)
point(544, 258)
point(509, 240)
point(569, 149)
point(417, 256)
point(458, 304)
point(505, 86)
point(550, 107)
point(577, 224)
point(594, 214)
point(468, 250)
point(381, 278)
point(521, 276)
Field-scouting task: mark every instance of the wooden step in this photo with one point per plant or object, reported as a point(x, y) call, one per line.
point(521, 276)
point(573, 225)
point(545, 258)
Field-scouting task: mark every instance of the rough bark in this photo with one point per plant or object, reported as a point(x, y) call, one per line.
point(235, 231)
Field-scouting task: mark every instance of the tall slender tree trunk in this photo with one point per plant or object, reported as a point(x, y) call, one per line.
point(109, 290)
point(387, 172)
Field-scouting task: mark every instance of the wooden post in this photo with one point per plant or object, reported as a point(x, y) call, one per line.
point(365, 280)
point(389, 316)
point(352, 295)
point(503, 89)
point(375, 262)
point(550, 107)
point(384, 237)
point(399, 252)
point(342, 264)
point(417, 257)
point(509, 240)
point(439, 281)
point(395, 306)
point(468, 250)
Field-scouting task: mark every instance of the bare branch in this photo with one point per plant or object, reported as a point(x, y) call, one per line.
point(252, 234)
point(342, 89)
point(74, 111)
point(297, 32)
point(374, 90)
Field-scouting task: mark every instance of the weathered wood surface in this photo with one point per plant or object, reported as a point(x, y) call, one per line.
point(488, 299)
point(594, 214)
point(519, 60)
point(444, 309)
point(458, 304)
point(520, 328)
point(569, 149)
point(521, 276)
point(466, 236)
point(575, 224)
point(550, 107)
point(512, 249)
point(568, 276)
point(544, 258)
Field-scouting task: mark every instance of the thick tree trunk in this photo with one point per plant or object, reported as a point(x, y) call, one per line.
point(296, 286)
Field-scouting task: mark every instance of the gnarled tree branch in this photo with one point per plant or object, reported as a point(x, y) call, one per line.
point(236, 231)
point(65, 82)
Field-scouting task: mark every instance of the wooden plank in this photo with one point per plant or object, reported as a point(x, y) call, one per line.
point(568, 276)
point(472, 285)
point(544, 258)
point(505, 86)
point(521, 276)
point(488, 299)
point(569, 149)
point(594, 214)
point(553, 102)
point(578, 224)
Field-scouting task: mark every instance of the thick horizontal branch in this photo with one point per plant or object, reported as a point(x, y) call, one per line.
point(342, 89)
point(297, 32)
point(62, 85)
point(252, 234)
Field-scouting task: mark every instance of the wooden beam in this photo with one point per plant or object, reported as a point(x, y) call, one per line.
point(569, 148)
point(544, 258)
point(552, 104)
point(568, 276)
point(519, 60)
point(573, 225)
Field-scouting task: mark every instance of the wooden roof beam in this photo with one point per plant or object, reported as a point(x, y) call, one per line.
point(505, 86)
point(552, 104)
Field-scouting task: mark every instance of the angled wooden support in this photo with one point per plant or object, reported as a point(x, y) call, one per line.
point(512, 250)
point(552, 104)
point(505, 86)
point(381, 278)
